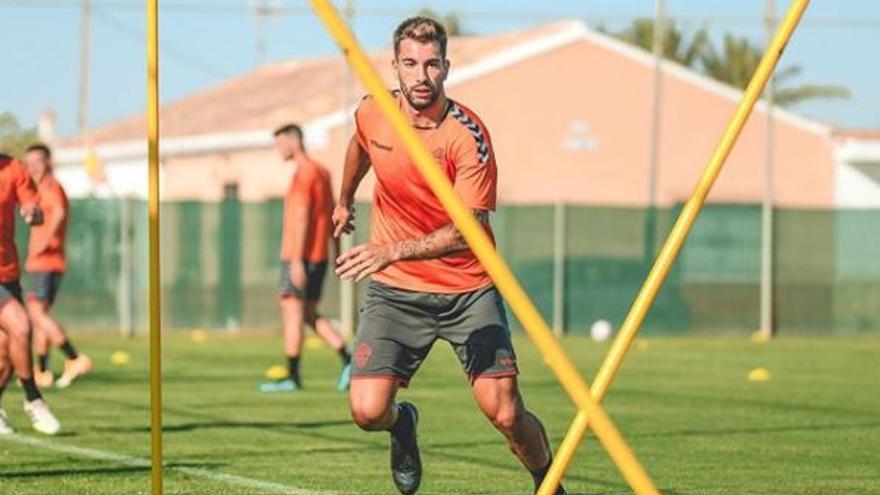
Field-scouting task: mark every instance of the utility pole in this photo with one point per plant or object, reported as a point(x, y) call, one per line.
point(347, 302)
point(262, 12)
point(767, 325)
point(654, 160)
point(85, 45)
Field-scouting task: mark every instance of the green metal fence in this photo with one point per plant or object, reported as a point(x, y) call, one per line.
point(220, 266)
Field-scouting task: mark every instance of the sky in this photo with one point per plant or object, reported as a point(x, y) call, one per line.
point(205, 42)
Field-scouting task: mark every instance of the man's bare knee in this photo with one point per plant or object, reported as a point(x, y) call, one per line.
point(370, 417)
point(506, 418)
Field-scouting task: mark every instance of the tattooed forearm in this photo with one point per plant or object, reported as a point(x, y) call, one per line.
point(443, 241)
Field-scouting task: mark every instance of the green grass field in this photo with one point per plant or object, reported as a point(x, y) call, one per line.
point(684, 404)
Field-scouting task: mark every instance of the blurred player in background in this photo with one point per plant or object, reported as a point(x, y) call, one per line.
point(426, 283)
point(45, 267)
point(306, 238)
point(16, 189)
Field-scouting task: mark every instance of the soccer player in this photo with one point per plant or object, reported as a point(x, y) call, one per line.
point(17, 189)
point(306, 238)
point(426, 283)
point(45, 267)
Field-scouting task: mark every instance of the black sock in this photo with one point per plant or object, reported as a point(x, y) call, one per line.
point(344, 355)
point(68, 350)
point(43, 360)
point(403, 425)
point(539, 474)
point(31, 392)
point(293, 368)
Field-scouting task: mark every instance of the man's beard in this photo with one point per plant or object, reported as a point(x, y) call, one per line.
point(421, 105)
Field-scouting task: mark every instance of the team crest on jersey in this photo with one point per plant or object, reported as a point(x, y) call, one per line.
point(477, 132)
point(362, 354)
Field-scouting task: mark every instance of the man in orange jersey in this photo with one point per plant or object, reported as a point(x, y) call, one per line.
point(306, 238)
point(426, 283)
point(17, 190)
point(45, 267)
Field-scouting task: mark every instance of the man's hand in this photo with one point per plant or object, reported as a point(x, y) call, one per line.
point(298, 274)
point(365, 260)
point(343, 220)
point(32, 215)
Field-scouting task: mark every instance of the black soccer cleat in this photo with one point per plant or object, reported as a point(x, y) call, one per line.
point(406, 464)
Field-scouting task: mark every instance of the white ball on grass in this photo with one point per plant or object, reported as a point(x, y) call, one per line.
point(600, 330)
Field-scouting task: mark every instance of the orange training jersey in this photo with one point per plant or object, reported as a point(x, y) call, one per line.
point(51, 199)
point(404, 206)
point(16, 188)
point(310, 188)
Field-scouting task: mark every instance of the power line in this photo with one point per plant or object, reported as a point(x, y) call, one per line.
point(482, 15)
point(168, 49)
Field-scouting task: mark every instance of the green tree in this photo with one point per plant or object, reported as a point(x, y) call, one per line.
point(13, 138)
point(676, 45)
point(450, 21)
point(737, 60)
point(733, 64)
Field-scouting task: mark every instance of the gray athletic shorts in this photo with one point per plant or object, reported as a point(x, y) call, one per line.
point(398, 327)
point(9, 291)
point(43, 286)
point(315, 273)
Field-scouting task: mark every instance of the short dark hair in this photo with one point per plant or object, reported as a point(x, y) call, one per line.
point(421, 29)
point(290, 129)
point(40, 147)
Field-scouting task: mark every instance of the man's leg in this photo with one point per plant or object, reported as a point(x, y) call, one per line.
point(15, 323)
point(373, 409)
point(292, 317)
point(41, 295)
point(501, 402)
point(5, 374)
point(324, 329)
point(372, 403)
point(43, 374)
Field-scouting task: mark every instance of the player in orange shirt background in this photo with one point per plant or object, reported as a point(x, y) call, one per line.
point(17, 191)
point(426, 283)
point(305, 249)
point(45, 266)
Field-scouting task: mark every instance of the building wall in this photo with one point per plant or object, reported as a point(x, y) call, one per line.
point(574, 125)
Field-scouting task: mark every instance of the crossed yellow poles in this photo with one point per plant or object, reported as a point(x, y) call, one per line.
point(587, 401)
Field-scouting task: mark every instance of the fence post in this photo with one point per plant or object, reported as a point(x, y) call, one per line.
point(559, 240)
point(124, 289)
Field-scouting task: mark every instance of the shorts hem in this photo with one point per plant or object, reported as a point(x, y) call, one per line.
point(403, 382)
point(283, 295)
point(498, 374)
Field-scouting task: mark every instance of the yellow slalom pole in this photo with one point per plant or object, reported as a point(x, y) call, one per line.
point(482, 247)
point(155, 312)
point(672, 246)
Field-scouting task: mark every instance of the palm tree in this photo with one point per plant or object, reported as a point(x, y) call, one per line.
point(675, 46)
point(738, 60)
point(734, 64)
point(13, 138)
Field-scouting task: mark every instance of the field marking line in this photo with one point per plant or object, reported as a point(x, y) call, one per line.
point(125, 460)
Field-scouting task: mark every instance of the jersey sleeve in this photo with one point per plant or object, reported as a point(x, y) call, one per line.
point(54, 196)
point(25, 190)
point(476, 175)
point(362, 118)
